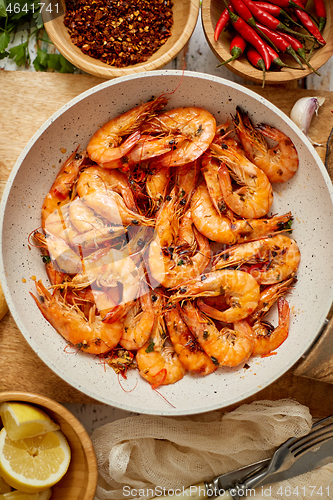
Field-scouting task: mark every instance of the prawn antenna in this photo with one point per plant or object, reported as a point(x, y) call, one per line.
point(165, 399)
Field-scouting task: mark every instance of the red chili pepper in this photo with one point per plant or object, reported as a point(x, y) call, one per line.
point(276, 11)
point(276, 59)
point(250, 35)
point(242, 10)
point(320, 11)
point(280, 42)
point(308, 23)
point(257, 61)
point(287, 3)
point(237, 47)
point(221, 23)
point(245, 13)
point(266, 18)
point(299, 49)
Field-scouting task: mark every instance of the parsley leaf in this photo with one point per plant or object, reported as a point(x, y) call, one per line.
point(57, 62)
point(14, 15)
point(19, 53)
point(150, 347)
point(37, 16)
point(4, 54)
point(66, 66)
point(3, 12)
point(4, 40)
point(53, 62)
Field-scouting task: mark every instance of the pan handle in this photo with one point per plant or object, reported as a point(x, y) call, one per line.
point(318, 363)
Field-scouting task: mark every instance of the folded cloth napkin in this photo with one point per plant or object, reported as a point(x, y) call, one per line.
point(146, 456)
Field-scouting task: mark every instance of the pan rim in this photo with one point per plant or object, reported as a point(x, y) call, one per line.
point(24, 153)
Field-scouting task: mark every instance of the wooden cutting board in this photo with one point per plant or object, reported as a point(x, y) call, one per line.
point(27, 100)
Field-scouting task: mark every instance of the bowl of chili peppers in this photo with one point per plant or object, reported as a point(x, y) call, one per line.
point(109, 38)
point(271, 41)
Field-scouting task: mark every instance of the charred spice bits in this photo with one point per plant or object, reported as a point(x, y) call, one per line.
point(119, 32)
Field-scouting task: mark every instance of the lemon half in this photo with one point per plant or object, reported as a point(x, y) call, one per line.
point(34, 464)
point(22, 420)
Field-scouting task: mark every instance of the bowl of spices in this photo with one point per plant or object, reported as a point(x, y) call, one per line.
point(269, 43)
point(111, 38)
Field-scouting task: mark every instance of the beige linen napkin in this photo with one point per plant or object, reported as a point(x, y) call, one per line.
point(144, 456)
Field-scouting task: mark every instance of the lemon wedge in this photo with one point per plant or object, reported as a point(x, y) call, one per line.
point(20, 495)
point(22, 420)
point(34, 464)
point(45, 495)
point(4, 487)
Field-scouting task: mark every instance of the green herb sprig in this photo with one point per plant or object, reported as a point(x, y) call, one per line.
point(16, 15)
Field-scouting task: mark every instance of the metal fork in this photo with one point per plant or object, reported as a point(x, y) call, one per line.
point(290, 451)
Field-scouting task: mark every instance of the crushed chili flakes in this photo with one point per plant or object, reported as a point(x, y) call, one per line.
point(119, 32)
point(120, 360)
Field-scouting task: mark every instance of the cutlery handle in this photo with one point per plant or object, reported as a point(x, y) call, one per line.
point(195, 492)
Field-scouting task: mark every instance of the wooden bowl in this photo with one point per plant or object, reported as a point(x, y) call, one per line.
point(211, 11)
point(185, 15)
point(80, 481)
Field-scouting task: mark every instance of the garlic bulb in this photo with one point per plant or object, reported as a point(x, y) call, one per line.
point(303, 111)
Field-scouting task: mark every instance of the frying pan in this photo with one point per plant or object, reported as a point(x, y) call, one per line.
point(308, 195)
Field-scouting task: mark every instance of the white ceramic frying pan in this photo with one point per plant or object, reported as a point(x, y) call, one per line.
point(308, 196)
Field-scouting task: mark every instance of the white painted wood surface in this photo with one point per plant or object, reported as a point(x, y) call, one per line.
point(198, 57)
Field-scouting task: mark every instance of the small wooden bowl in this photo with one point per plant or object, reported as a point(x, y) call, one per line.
point(185, 15)
point(211, 11)
point(80, 481)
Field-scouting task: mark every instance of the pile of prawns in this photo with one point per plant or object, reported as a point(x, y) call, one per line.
point(158, 245)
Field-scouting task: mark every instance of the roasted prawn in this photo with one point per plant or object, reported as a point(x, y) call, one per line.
point(158, 242)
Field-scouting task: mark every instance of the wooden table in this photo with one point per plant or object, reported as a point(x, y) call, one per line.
point(28, 99)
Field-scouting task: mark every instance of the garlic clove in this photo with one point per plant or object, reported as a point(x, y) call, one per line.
point(303, 111)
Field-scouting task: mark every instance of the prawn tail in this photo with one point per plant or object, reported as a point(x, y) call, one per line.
point(269, 131)
point(43, 293)
point(245, 128)
point(43, 301)
point(280, 223)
